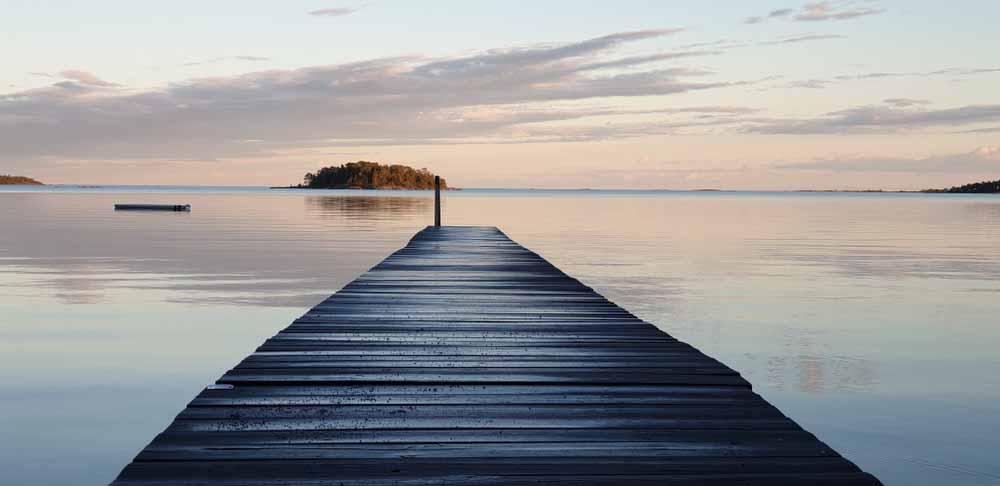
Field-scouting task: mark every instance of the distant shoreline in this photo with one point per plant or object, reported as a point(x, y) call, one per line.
point(473, 189)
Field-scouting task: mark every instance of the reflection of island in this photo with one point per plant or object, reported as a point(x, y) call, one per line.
point(369, 208)
point(18, 181)
point(370, 175)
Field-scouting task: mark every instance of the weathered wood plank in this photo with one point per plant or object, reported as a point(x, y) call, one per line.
point(499, 471)
point(465, 358)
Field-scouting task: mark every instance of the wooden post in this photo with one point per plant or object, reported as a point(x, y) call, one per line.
point(437, 200)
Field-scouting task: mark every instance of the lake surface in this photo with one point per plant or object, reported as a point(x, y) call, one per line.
point(873, 320)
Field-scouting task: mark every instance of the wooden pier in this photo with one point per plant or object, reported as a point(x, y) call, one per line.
point(466, 359)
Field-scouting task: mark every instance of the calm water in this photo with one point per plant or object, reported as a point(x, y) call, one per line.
point(872, 320)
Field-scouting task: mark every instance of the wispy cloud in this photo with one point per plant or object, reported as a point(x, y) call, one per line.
point(714, 45)
point(403, 98)
point(334, 12)
point(981, 130)
point(809, 84)
point(801, 38)
point(966, 72)
point(721, 46)
point(984, 160)
point(216, 60)
point(86, 79)
point(820, 11)
point(782, 12)
point(905, 102)
point(955, 73)
point(879, 119)
point(641, 60)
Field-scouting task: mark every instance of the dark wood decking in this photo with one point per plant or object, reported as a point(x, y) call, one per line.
point(465, 358)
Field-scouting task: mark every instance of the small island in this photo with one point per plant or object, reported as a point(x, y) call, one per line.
point(9, 180)
point(987, 187)
point(370, 175)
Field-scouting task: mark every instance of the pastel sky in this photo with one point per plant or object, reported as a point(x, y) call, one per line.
point(841, 94)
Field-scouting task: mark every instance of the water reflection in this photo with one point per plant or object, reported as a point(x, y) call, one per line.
point(369, 208)
point(73, 281)
point(816, 374)
point(252, 250)
point(870, 319)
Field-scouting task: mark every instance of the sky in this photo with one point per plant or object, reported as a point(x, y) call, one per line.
point(840, 94)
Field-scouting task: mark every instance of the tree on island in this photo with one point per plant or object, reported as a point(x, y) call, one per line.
point(370, 175)
point(19, 181)
point(988, 187)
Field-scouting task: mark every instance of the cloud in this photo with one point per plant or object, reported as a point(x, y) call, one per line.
point(215, 60)
point(640, 60)
point(983, 160)
point(715, 45)
point(515, 125)
point(966, 72)
point(904, 102)
point(948, 72)
point(719, 47)
point(334, 12)
point(782, 12)
point(801, 38)
point(818, 12)
point(402, 98)
point(875, 75)
point(878, 119)
point(86, 79)
point(981, 130)
point(809, 84)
